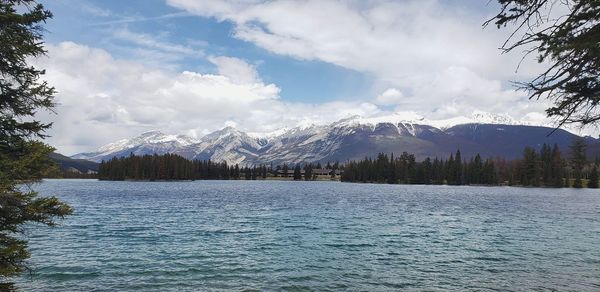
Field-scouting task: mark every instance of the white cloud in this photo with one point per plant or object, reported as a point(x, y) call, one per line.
point(413, 45)
point(149, 41)
point(94, 10)
point(102, 99)
point(236, 69)
point(154, 50)
point(124, 19)
point(426, 57)
point(458, 91)
point(390, 96)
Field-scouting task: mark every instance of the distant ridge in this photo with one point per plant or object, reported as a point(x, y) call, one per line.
point(351, 138)
point(66, 163)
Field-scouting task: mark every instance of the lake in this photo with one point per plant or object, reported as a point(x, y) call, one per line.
point(315, 236)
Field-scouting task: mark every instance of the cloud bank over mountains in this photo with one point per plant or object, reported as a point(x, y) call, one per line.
point(436, 53)
point(101, 98)
point(426, 57)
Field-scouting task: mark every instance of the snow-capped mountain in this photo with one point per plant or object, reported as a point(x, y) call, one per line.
point(147, 143)
point(350, 138)
point(228, 144)
point(477, 117)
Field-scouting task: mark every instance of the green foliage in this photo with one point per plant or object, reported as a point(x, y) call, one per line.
point(544, 168)
point(285, 169)
point(21, 92)
point(569, 43)
point(297, 172)
point(67, 164)
point(593, 179)
point(174, 167)
point(530, 174)
point(308, 172)
point(578, 161)
point(22, 159)
point(557, 172)
point(406, 170)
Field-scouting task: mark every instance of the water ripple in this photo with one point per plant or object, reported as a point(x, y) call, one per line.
point(307, 236)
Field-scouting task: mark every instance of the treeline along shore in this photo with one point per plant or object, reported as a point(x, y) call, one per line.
point(544, 168)
point(175, 167)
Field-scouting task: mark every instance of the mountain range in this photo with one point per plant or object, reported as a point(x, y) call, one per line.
point(67, 164)
point(350, 139)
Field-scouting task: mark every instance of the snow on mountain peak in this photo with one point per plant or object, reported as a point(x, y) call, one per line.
point(478, 117)
point(154, 137)
point(490, 118)
point(395, 118)
point(151, 133)
point(232, 145)
point(115, 146)
point(222, 133)
point(269, 135)
point(149, 137)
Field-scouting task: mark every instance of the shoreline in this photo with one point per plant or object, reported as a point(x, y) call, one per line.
point(327, 180)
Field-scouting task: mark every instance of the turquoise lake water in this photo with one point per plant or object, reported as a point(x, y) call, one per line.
point(315, 236)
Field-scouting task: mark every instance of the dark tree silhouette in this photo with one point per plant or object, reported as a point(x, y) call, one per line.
point(22, 158)
point(578, 161)
point(569, 43)
point(593, 179)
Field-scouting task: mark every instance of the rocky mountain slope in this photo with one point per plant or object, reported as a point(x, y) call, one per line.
point(351, 138)
point(69, 164)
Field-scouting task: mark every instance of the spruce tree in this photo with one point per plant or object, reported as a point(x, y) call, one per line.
point(285, 170)
point(489, 173)
point(530, 173)
point(297, 172)
point(254, 172)
point(426, 171)
point(436, 171)
point(578, 161)
point(593, 179)
point(247, 173)
point(476, 170)
point(557, 168)
point(391, 170)
point(450, 171)
point(308, 173)
point(236, 172)
point(23, 159)
point(546, 159)
point(458, 169)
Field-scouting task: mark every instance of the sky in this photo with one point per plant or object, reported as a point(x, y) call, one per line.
point(192, 67)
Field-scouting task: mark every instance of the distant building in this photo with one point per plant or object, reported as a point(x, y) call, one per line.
point(318, 172)
point(322, 172)
point(72, 170)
